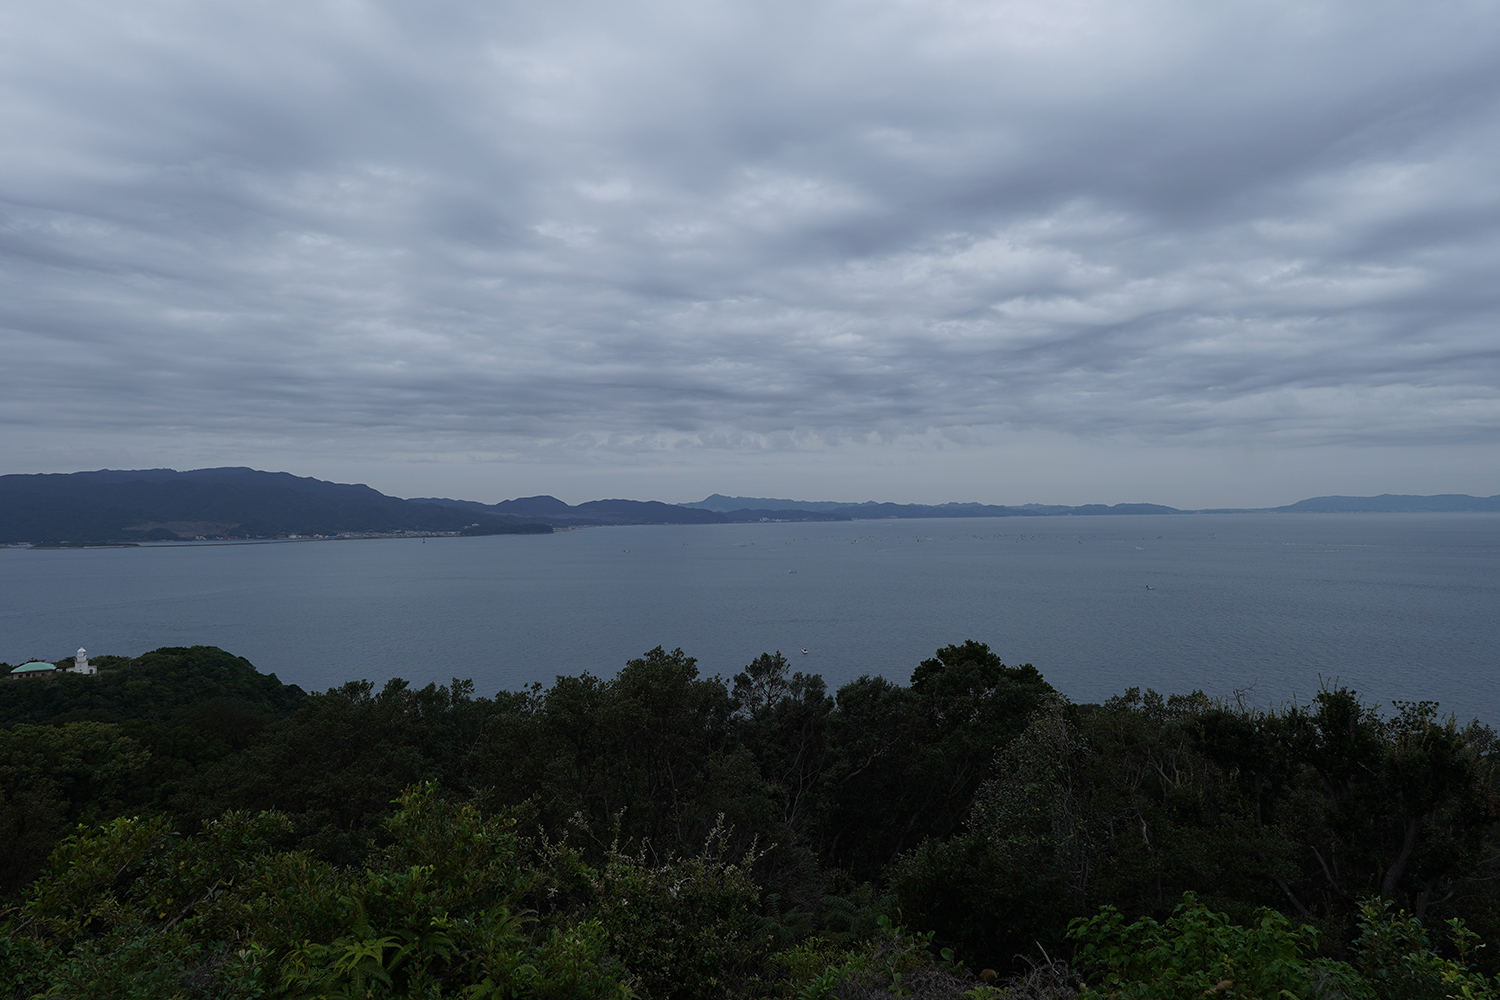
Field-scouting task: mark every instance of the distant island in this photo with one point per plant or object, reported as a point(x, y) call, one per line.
point(120, 507)
point(1391, 503)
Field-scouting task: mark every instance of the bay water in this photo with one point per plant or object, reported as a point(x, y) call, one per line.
point(1269, 606)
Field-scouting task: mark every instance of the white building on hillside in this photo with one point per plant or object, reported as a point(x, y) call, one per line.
point(81, 663)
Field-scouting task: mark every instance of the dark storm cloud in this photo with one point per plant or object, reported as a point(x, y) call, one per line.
point(745, 225)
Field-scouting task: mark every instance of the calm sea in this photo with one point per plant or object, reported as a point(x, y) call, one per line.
point(1396, 606)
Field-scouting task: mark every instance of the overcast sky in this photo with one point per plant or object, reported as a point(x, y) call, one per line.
point(1196, 253)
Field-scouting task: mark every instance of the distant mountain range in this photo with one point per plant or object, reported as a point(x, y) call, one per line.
point(870, 509)
point(1390, 503)
point(1393, 503)
point(163, 504)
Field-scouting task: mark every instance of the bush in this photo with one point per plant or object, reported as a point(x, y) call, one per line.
point(1198, 953)
point(686, 929)
point(1395, 954)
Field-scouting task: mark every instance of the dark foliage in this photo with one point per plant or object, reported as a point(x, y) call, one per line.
point(1308, 810)
point(975, 802)
point(175, 682)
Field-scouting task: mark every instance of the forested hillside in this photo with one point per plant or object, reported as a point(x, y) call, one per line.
point(214, 833)
point(162, 504)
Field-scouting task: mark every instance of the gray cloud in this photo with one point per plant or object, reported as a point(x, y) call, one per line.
point(584, 228)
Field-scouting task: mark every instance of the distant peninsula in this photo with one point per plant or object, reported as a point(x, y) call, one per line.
point(119, 507)
point(1388, 503)
point(1392, 503)
point(111, 506)
point(871, 509)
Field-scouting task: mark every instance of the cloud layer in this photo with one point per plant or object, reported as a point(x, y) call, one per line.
point(559, 231)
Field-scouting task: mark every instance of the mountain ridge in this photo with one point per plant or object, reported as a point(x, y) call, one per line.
point(1382, 503)
point(113, 505)
point(1394, 503)
point(233, 502)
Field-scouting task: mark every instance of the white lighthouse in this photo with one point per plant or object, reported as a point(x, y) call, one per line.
point(81, 663)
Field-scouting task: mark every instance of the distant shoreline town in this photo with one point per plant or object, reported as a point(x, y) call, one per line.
point(128, 508)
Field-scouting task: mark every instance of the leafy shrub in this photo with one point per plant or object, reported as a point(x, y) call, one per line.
point(686, 928)
point(129, 910)
point(1396, 955)
point(892, 962)
point(1198, 953)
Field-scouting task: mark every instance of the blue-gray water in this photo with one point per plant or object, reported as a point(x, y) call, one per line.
point(1397, 606)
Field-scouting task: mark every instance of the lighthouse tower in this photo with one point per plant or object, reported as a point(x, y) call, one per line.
point(81, 663)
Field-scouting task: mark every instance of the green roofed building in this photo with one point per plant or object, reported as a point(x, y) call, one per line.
point(36, 668)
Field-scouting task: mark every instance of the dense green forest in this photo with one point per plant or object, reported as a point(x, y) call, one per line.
point(182, 826)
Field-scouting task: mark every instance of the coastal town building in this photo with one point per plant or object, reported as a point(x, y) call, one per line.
point(36, 668)
point(41, 668)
